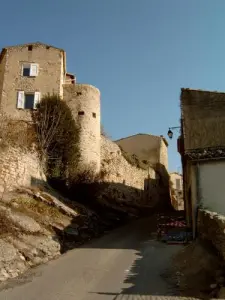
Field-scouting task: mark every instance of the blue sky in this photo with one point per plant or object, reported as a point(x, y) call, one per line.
point(139, 53)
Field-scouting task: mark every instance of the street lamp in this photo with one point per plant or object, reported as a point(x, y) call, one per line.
point(170, 132)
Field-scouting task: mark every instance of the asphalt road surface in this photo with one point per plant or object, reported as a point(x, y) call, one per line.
point(125, 264)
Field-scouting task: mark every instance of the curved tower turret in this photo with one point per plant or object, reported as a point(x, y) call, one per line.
point(84, 102)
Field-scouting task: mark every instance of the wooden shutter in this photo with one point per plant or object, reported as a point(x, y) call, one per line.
point(33, 69)
point(37, 98)
point(20, 99)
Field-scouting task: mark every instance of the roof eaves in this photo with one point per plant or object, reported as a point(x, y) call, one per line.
point(156, 136)
point(201, 91)
point(34, 43)
point(164, 140)
point(206, 153)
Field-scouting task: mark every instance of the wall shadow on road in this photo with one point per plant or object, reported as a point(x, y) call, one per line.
point(152, 263)
point(135, 235)
point(145, 275)
point(118, 205)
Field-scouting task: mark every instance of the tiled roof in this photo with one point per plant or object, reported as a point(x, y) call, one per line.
point(207, 153)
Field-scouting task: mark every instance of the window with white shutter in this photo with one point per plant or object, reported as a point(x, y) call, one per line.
point(30, 70)
point(33, 69)
point(37, 98)
point(28, 100)
point(20, 99)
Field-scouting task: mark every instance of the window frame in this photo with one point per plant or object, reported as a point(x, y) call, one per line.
point(21, 99)
point(25, 95)
point(31, 67)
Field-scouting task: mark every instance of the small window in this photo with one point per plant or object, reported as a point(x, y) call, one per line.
point(30, 48)
point(30, 70)
point(94, 115)
point(80, 113)
point(47, 47)
point(79, 93)
point(26, 70)
point(27, 100)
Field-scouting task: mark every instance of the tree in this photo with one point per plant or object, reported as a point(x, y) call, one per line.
point(57, 136)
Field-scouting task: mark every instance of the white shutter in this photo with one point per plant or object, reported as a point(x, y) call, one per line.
point(20, 99)
point(37, 98)
point(33, 69)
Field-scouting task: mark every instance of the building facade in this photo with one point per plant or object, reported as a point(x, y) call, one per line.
point(30, 71)
point(153, 150)
point(176, 180)
point(176, 190)
point(202, 148)
point(147, 147)
point(26, 73)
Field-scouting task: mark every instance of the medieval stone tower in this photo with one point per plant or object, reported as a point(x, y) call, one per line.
point(84, 102)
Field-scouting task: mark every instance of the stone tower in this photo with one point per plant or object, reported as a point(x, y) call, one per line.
point(84, 102)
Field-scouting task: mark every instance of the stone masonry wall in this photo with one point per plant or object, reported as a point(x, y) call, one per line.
point(48, 80)
point(211, 227)
point(133, 181)
point(18, 168)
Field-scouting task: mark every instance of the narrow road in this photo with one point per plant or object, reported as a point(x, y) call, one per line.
point(125, 264)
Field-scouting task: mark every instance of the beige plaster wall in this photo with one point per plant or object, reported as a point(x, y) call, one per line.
point(145, 146)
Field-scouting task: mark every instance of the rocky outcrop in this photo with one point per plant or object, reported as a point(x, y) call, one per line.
point(37, 225)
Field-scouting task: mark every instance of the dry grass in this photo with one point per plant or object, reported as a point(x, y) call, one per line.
point(16, 133)
point(28, 204)
point(6, 225)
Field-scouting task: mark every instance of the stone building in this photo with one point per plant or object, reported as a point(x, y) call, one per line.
point(152, 150)
point(202, 149)
point(147, 147)
point(176, 180)
point(26, 73)
point(84, 102)
point(29, 71)
point(176, 190)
